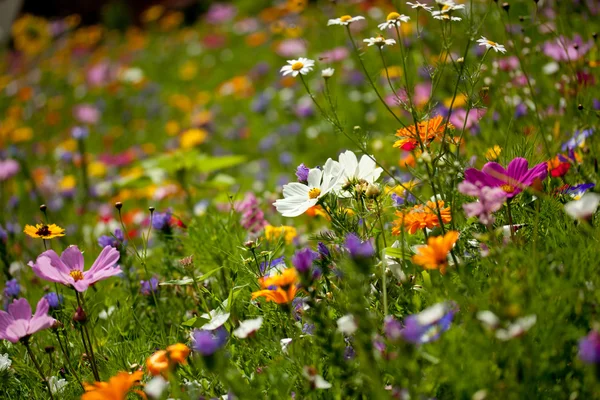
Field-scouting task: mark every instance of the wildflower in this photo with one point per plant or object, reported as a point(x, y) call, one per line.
point(300, 66)
point(207, 343)
point(298, 197)
point(491, 45)
point(354, 172)
point(445, 17)
point(577, 140)
point(5, 362)
point(155, 387)
point(327, 73)
point(512, 180)
point(567, 50)
point(435, 254)
point(303, 260)
point(419, 5)
point(583, 208)
point(248, 327)
point(517, 328)
point(426, 131)
point(252, 217)
point(347, 325)
point(380, 41)
point(54, 299)
point(191, 138)
point(316, 380)
point(116, 388)
point(344, 20)
point(393, 19)
point(273, 233)
point(8, 169)
point(43, 231)
point(490, 201)
point(280, 288)
point(57, 385)
point(148, 287)
point(493, 152)
point(577, 191)
point(18, 324)
point(421, 217)
point(392, 328)
point(31, 34)
point(163, 360)
point(161, 221)
point(68, 268)
point(12, 288)
point(357, 248)
point(559, 166)
point(429, 324)
point(589, 348)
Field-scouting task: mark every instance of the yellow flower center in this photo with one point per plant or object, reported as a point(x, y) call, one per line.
point(345, 18)
point(314, 193)
point(445, 7)
point(76, 274)
point(508, 188)
point(493, 44)
point(297, 66)
point(392, 16)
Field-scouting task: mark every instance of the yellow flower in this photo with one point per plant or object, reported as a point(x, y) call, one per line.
point(116, 388)
point(493, 152)
point(153, 13)
point(172, 128)
point(188, 71)
point(22, 134)
point(171, 20)
point(31, 34)
point(97, 169)
point(273, 233)
point(192, 138)
point(43, 231)
point(67, 183)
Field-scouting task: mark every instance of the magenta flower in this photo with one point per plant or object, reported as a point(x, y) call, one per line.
point(490, 201)
point(564, 49)
point(512, 180)
point(68, 268)
point(17, 323)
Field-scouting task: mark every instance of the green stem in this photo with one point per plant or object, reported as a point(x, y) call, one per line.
point(37, 366)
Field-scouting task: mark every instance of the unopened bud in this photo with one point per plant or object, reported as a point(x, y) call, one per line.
point(506, 6)
point(250, 244)
point(118, 205)
point(79, 315)
point(580, 107)
point(49, 349)
point(43, 208)
point(186, 261)
point(372, 191)
point(151, 209)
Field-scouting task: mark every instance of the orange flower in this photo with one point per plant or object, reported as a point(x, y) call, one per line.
point(280, 288)
point(178, 352)
point(421, 217)
point(163, 360)
point(427, 131)
point(116, 388)
point(435, 254)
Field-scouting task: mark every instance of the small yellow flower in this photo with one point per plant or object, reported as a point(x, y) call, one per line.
point(273, 233)
point(31, 34)
point(188, 71)
point(22, 134)
point(493, 152)
point(192, 138)
point(153, 13)
point(67, 183)
point(172, 128)
point(43, 231)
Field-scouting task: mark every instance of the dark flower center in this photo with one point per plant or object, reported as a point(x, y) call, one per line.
point(43, 231)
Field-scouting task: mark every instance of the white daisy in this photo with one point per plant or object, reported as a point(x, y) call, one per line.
point(316, 380)
point(299, 197)
point(393, 19)
point(491, 45)
point(417, 5)
point(583, 208)
point(354, 171)
point(248, 327)
point(380, 41)
point(344, 20)
point(446, 17)
point(300, 66)
point(327, 73)
point(449, 5)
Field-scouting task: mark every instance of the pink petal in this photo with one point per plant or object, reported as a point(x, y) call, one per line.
point(5, 321)
point(474, 176)
point(517, 169)
point(41, 320)
point(55, 261)
point(46, 270)
point(20, 309)
point(108, 258)
point(72, 258)
point(98, 275)
point(496, 172)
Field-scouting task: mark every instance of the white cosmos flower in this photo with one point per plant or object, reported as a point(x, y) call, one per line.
point(155, 387)
point(56, 385)
point(299, 197)
point(248, 327)
point(417, 5)
point(353, 171)
point(5, 362)
point(327, 73)
point(583, 208)
point(380, 41)
point(393, 19)
point(491, 45)
point(517, 328)
point(347, 325)
point(300, 66)
point(344, 20)
point(216, 319)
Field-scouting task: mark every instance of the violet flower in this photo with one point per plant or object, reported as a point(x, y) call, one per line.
point(490, 201)
point(303, 260)
point(357, 248)
point(18, 324)
point(429, 324)
point(589, 348)
point(253, 218)
point(150, 286)
point(512, 180)
point(208, 342)
point(569, 50)
point(302, 173)
point(8, 169)
point(68, 268)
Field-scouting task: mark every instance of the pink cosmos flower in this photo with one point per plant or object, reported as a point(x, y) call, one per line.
point(490, 201)
point(564, 49)
point(8, 169)
point(68, 268)
point(86, 114)
point(18, 323)
point(460, 117)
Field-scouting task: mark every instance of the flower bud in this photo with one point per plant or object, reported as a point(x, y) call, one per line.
point(372, 191)
point(80, 315)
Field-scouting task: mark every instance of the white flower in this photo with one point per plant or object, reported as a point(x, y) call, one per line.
point(131, 75)
point(284, 343)
point(5, 362)
point(300, 66)
point(491, 45)
point(155, 387)
point(380, 41)
point(449, 5)
point(516, 329)
point(489, 319)
point(418, 5)
point(104, 314)
point(248, 327)
point(327, 73)
point(56, 385)
point(446, 17)
point(354, 171)
point(299, 197)
point(583, 208)
point(347, 325)
point(317, 381)
point(344, 20)
point(393, 19)
point(217, 318)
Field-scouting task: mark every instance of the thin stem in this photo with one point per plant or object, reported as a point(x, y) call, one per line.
point(510, 221)
point(383, 260)
point(38, 367)
point(71, 368)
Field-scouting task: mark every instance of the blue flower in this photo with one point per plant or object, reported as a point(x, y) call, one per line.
point(54, 300)
point(428, 325)
point(589, 348)
point(12, 288)
point(161, 221)
point(579, 190)
point(577, 140)
point(150, 286)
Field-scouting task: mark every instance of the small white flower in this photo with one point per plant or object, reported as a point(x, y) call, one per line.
point(327, 73)
point(489, 319)
point(155, 387)
point(353, 170)
point(516, 329)
point(446, 17)
point(317, 381)
point(418, 5)
point(248, 327)
point(347, 325)
point(56, 385)
point(344, 20)
point(449, 5)
point(491, 45)
point(380, 41)
point(104, 314)
point(131, 75)
point(583, 208)
point(285, 343)
point(5, 362)
point(393, 19)
point(300, 66)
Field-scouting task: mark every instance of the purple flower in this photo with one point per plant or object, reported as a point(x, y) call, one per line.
point(302, 173)
point(264, 267)
point(308, 329)
point(87, 114)
point(303, 260)
point(589, 348)
point(323, 251)
point(150, 286)
point(357, 248)
point(12, 288)
point(79, 132)
point(208, 342)
point(161, 221)
point(112, 241)
point(520, 110)
point(428, 325)
point(569, 50)
point(18, 323)
point(392, 328)
point(253, 218)
point(577, 140)
point(490, 201)
point(3, 234)
point(512, 180)
point(8, 169)
point(54, 300)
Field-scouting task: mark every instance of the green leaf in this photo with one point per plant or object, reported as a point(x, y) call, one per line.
point(397, 253)
point(189, 281)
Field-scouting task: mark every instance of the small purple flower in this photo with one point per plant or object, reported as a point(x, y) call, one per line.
point(302, 173)
point(303, 260)
point(490, 200)
point(208, 342)
point(357, 248)
point(3, 234)
point(8, 169)
point(161, 221)
point(428, 325)
point(264, 267)
point(54, 300)
point(392, 328)
point(308, 329)
point(589, 348)
point(520, 110)
point(398, 201)
point(79, 132)
point(324, 252)
point(12, 288)
point(150, 286)
point(114, 241)
point(596, 104)
point(349, 353)
point(577, 140)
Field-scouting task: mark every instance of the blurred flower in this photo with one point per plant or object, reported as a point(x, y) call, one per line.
point(493, 152)
point(316, 380)
point(54, 299)
point(280, 288)
point(344, 20)
point(568, 50)
point(578, 139)
point(252, 217)
point(161, 221)
point(435, 254)
point(164, 360)
point(380, 41)
point(300, 66)
point(8, 169)
point(429, 324)
point(421, 216)
point(589, 348)
point(491, 45)
point(191, 138)
point(303, 260)
point(393, 19)
point(208, 342)
point(31, 34)
point(87, 114)
point(558, 166)
point(18, 324)
point(5, 362)
point(357, 248)
point(148, 287)
point(248, 327)
point(114, 241)
point(490, 201)
point(43, 231)
point(273, 233)
point(392, 328)
point(347, 325)
point(327, 73)
point(220, 13)
point(116, 388)
point(583, 208)
point(576, 192)
point(517, 328)
point(57, 385)
point(419, 5)
point(12, 288)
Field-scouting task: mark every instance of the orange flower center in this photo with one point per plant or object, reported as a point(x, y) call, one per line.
point(76, 274)
point(392, 16)
point(508, 188)
point(314, 193)
point(345, 18)
point(297, 66)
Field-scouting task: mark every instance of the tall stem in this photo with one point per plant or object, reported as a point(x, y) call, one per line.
point(38, 367)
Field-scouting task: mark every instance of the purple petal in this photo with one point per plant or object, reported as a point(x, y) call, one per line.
point(20, 309)
point(45, 269)
point(496, 173)
point(517, 169)
point(475, 176)
point(41, 320)
point(73, 258)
